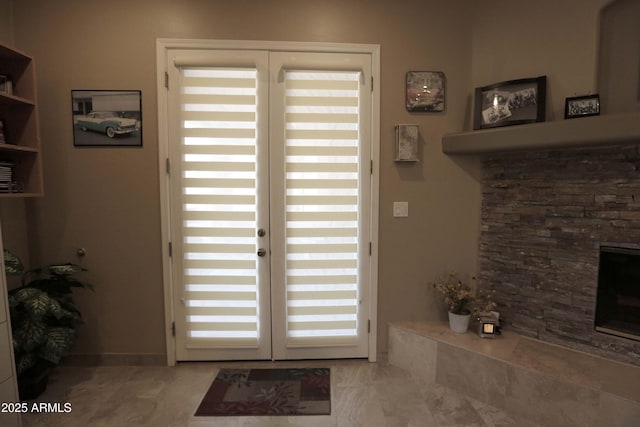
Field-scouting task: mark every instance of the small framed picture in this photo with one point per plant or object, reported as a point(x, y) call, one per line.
point(513, 102)
point(425, 91)
point(582, 106)
point(107, 118)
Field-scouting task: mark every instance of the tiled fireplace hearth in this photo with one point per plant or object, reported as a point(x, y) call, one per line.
point(545, 216)
point(535, 383)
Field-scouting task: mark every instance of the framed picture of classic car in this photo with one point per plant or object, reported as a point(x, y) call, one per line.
point(107, 118)
point(513, 102)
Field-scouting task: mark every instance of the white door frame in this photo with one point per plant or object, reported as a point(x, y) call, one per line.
point(163, 51)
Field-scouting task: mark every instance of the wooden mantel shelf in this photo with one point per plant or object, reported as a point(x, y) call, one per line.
point(582, 132)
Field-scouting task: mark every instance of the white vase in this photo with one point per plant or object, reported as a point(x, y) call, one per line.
point(459, 322)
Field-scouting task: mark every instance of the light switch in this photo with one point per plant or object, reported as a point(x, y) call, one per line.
point(400, 209)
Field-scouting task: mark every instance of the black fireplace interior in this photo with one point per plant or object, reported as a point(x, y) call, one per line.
point(618, 300)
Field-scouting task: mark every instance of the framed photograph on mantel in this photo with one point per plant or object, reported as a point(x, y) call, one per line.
point(513, 102)
point(582, 106)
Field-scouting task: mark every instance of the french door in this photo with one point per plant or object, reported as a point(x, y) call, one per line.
point(270, 203)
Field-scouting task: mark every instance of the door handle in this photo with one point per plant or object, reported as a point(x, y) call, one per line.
point(262, 252)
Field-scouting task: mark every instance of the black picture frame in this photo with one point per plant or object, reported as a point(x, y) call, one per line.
point(508, 103)
point(582, 106)
point(425, 91)
point(107, 118)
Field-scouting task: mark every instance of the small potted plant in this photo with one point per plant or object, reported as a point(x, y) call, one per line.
point(43, 320)
point(461, 301)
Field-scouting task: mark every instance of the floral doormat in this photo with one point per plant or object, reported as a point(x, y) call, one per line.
point(296, 391)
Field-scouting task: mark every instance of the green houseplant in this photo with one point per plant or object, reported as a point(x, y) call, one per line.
point(43, 319)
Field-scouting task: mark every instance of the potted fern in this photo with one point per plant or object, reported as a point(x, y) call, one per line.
point(43, 320)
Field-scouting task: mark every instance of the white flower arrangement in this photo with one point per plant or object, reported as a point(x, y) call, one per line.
point(460, 298)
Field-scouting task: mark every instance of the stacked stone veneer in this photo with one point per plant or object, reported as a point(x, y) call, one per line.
point(544, 216)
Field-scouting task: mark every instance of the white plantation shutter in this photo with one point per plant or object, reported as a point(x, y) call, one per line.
point(322, 206)
point(219, 206)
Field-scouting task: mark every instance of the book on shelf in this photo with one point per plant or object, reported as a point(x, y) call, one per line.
point(6, 171)
point(6, 85)
point(8, 184)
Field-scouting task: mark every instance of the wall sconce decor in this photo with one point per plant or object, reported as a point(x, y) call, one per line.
point(407, 143)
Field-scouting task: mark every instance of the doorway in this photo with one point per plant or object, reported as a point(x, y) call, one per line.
point(270, 203)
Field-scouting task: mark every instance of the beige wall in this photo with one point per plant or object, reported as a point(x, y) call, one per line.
point(619, 64)
point(6, 23)
point(106, 200)
point(522, 38)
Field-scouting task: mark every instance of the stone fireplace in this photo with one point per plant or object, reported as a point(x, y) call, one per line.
point(545, 216)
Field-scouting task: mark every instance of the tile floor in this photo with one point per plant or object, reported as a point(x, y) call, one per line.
point(362, 394)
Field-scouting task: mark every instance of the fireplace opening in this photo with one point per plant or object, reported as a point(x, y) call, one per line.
point(618, 298)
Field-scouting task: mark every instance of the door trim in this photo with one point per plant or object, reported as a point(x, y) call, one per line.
point(163, 49)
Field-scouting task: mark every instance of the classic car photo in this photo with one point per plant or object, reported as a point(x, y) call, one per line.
point(107, 122)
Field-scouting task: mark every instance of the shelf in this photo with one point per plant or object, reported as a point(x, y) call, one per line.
point(13, 100)
point(19, 195)
point(12, 54)
point(573, 133)
point(8, 148)
point(19, 114)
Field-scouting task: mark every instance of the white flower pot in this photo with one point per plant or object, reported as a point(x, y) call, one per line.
point(459, 323)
